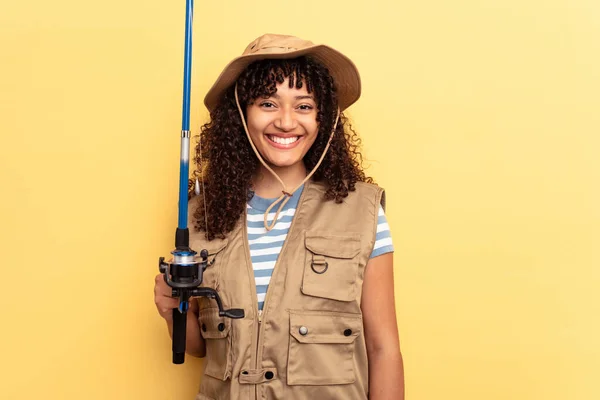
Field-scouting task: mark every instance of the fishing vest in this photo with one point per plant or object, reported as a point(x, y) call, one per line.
point(308, 342)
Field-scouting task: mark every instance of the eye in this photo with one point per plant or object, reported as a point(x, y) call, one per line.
point(267, 104)
point(305, 107)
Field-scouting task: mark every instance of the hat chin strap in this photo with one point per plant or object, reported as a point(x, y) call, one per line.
point(287, 194)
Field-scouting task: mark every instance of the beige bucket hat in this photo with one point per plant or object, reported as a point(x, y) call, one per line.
point(272, 46)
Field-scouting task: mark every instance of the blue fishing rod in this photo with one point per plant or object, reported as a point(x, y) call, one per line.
point(183, 273)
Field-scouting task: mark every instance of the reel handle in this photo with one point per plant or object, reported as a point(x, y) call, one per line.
point(233, 313)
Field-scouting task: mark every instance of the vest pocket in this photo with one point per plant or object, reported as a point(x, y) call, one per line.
point(321, 347)
point(215, 331)
point(331, 265)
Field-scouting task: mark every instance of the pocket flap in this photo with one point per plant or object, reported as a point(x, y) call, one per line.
point(333, 245)
point(325, 326)
point(212, 326)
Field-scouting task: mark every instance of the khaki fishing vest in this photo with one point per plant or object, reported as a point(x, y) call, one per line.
point(308, 342)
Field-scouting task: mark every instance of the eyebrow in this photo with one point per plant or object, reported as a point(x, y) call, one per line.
point(297, 97)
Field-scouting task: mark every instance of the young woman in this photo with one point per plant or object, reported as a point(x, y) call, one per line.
point(296, 236)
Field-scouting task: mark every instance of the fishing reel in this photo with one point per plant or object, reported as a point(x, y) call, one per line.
point(184, 275)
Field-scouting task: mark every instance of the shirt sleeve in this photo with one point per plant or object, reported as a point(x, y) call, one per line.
point(383, 240)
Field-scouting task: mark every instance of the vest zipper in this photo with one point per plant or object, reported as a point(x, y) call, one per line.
point(259, 313)
point(254, 297)
point(275, 269)
point(257, 347)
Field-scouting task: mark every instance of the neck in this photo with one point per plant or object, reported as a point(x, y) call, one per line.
point(267, 186)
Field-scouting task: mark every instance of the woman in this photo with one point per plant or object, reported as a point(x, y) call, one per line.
point(296, 236)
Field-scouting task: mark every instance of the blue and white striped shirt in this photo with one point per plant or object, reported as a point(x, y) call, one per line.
point(265, 246)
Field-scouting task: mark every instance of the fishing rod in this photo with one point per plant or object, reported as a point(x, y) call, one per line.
point(183, 273)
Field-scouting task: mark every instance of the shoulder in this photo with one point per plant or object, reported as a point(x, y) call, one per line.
point(366, 196)
point(362, 189)
point(367, 189)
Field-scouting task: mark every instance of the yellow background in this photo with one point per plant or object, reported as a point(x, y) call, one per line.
point(480, 118)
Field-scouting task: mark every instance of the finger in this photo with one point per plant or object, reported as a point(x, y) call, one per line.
point(168, 302)
point(168, 306)
point(193, 305)
point(161, 287)
point(162, 290)
point(164, 293)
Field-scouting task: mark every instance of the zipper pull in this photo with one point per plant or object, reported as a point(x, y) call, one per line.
point(260, 315)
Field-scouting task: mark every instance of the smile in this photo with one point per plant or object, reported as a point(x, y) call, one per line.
point(280, 140)
point(283, 142)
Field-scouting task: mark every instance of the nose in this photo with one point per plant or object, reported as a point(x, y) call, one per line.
point(285, 121)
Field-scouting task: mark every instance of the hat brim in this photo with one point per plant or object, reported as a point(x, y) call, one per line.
point(344, 72)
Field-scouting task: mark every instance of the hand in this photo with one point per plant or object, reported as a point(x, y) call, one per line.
point(165, 303)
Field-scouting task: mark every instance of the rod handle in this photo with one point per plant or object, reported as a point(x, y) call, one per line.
point(179, 330)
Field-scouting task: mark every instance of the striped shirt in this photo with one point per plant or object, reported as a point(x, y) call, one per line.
point(265, 246)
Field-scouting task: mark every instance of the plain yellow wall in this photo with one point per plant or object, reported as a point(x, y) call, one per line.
point(480, 118)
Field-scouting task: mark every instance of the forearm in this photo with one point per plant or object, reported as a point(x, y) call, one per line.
point(194, 344)
point(386, 376)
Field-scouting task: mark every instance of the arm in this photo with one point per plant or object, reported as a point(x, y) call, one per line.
point(386, 371)
point(194, 343)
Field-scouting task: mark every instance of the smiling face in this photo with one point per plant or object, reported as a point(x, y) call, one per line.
point(284, 126)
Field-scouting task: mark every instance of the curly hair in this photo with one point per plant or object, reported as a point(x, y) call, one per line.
point(230, 163)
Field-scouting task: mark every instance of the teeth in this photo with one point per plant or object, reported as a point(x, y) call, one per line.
point(284, 141)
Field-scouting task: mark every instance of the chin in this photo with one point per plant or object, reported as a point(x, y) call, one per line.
point(279, 163)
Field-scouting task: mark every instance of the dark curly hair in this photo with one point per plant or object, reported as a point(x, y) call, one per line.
point(230, 163)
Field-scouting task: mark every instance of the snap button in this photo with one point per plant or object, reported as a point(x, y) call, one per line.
point(221, 327)
point(269, 375)
point(203, 327)
point(348, 332)
point(303, 330)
